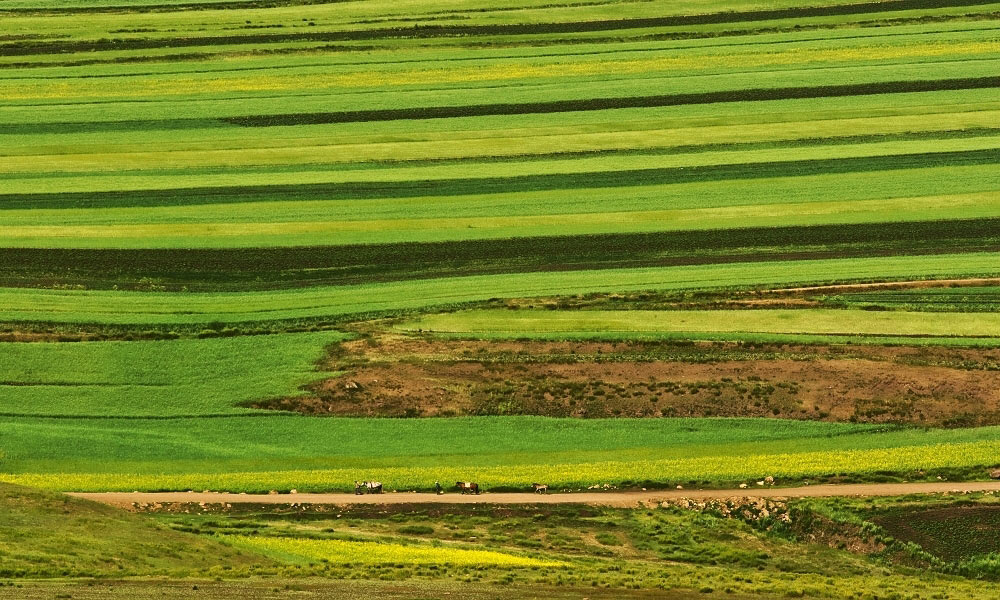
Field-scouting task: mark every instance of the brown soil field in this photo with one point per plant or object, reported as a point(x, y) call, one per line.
point(399, 376)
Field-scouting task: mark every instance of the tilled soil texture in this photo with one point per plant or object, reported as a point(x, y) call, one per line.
point(395, 376)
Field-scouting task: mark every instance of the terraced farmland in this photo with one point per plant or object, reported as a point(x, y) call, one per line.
point(205, 203)
point(290, 245)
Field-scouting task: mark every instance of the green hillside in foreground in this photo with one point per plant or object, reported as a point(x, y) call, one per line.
point(43, 534)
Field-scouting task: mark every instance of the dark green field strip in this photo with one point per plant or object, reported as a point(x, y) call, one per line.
point(269, 268)
point(959, 299)
point(496, 185)
point(431, 30)
point(589, 104)
point(224, 52)
point(504, 109)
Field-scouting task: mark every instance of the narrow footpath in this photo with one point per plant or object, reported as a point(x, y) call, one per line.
point(614, 498)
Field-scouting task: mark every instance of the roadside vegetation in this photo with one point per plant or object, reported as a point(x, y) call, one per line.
point(730, 547)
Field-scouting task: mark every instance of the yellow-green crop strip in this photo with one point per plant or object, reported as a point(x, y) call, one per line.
point(833, 323)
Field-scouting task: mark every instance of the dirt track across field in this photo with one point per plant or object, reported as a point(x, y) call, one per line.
point(626, 499)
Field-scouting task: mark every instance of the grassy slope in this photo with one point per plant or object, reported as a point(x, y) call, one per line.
point(45, 535)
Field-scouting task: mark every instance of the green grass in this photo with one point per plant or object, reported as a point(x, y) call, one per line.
point(284, 452)
point(49, 535)
point(772, 324)
point(157, 378)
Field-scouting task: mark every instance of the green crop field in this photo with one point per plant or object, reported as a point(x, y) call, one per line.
point(156, 378)
point(611, 243)
point(257, 454)
point(776, 323)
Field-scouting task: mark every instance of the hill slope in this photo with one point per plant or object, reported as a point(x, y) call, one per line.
point(44, 534)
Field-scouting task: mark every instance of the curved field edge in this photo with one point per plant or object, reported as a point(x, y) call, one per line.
point(168, 309)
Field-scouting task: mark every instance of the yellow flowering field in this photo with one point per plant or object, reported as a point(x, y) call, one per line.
point(719, 468)
point(349, 552)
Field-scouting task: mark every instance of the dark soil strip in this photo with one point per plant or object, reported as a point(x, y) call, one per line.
point(588, 104)
point(270, 268)
point(498, 185)
point(423, 31)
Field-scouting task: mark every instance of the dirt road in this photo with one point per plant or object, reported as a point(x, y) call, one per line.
point(631, 498)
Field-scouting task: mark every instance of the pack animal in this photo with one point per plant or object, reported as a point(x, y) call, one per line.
point(467, 487)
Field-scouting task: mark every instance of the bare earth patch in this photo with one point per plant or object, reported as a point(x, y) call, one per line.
point(391, 375)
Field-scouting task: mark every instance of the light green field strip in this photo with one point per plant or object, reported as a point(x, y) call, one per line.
point(604, 67)
point(551, 167)
point(314, 151)
point(215, 104)
point(442, 53)
point(116, 307)
point(227, 151)
point(157, 378)
point(773, 321)
point(694, 115)
point(121, 235)
point(909, 112)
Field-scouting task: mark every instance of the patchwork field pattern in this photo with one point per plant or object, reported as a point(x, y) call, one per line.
point(197, 193)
